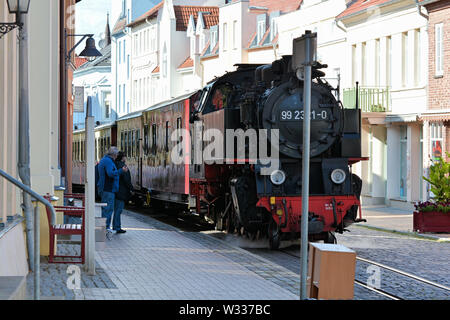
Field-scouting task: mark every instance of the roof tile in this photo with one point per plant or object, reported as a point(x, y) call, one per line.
point(183, 14)
point(356, 6)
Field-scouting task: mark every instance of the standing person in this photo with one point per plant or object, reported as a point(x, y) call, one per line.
point(123, 195)
point(108, 183)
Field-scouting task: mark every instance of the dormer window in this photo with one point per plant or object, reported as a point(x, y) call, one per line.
point(214, 36)
point(261, 27)
point(274, 24)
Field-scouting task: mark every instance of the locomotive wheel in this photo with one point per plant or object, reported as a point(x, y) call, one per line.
point(274, 236)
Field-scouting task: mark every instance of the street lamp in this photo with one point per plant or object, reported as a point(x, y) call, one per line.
point(16, 7)
point(90, 52)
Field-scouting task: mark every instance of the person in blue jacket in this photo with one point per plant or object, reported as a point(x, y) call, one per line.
point(108, 183)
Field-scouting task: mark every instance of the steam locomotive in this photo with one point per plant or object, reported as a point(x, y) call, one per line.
point(243, 154)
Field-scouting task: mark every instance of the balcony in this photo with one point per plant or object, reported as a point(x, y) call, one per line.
point(371, 99)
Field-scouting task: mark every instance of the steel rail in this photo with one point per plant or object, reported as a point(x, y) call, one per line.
point(379, 291)
point(409, 275)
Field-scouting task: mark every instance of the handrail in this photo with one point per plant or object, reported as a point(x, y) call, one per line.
point(37, 254)
point(33, 194)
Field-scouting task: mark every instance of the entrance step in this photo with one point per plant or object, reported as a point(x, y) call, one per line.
point(13, 288)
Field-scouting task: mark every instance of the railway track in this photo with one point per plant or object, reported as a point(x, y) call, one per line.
point(384, 293)
point(192, 223)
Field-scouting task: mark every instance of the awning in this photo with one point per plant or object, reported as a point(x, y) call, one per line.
point(402, 118)
point(436, 116)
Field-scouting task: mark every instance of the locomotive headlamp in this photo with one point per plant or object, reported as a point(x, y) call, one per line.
point(278, 177)
point(338, 176)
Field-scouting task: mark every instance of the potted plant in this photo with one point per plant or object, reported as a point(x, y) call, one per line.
point(434, 216)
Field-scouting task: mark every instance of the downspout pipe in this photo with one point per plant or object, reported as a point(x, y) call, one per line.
point(419, 10)
point(24, 134)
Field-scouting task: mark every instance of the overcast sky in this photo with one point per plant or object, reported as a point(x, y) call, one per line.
point(91, 18)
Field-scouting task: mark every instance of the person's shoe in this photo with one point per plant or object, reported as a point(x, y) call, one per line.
point(120, 231)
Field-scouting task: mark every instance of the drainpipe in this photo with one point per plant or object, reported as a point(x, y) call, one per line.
point(419, 10)
point(24, 134)
point(340, 27)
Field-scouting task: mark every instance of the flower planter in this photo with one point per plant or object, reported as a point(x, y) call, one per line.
point(433, 222)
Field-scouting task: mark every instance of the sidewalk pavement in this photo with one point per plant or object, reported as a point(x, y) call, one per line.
point(154, 261)
point(395, 220)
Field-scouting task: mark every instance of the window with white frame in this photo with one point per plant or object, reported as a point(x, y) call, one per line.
point(389, 62)
point(437, 140)
point(273, 29)
point(120, 52)
point(124, 50)
point(377, 62)
point(417, 56)
point(202, 41)
point(405, 60)
point(213, 37)
point(225, 36)
point(235, 34)
point(261, 29)
point(120, 98)
point(164, 62)
point(153, 39)
point(193, 51)
point(439, 60)
point(124, 96)
point(107, 105)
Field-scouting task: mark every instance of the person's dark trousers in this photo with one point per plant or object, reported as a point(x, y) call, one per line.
point(107, 212)
point(119, 205)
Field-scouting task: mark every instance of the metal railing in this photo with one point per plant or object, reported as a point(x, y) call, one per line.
point(371, 99)
point(37, 252)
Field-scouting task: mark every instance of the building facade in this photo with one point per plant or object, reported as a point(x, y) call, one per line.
point(387, 54)
point(44, 29)
point(95, 78)
point(436, 118)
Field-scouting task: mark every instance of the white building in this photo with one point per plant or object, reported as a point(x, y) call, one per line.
point(387, 53)
point(126, 11)
point(95, 77)
point(317, 16)
point(247, 33)
point(162, 63)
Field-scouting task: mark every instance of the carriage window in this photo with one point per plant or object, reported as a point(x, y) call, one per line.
point(146, 142)
point(124, 143)
point(133, 143)
point(81, 152)
point(138, 144)
point(167, 136)
point(129, 144)
point(154, 137)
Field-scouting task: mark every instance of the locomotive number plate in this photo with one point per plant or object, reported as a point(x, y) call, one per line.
point(297, 115)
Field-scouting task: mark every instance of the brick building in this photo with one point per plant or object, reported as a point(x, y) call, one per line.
point(437, 117)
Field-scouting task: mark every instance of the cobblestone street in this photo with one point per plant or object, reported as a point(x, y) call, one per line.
point(154, 261)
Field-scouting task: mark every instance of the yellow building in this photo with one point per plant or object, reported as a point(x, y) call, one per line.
point(45, 61)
